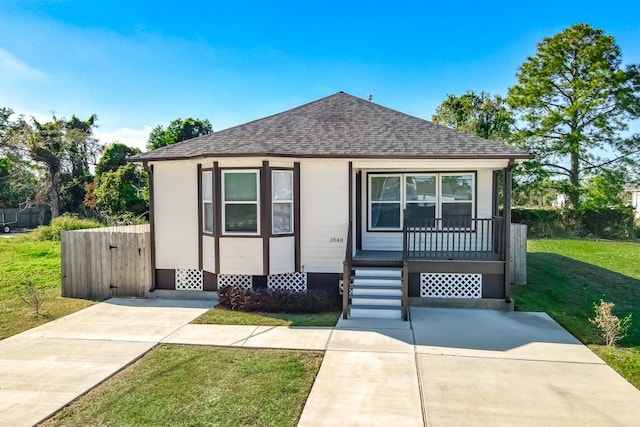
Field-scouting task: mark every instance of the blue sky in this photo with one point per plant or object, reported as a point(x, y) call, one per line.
point(137, 64)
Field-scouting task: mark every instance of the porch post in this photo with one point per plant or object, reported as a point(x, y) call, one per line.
point(507, 231)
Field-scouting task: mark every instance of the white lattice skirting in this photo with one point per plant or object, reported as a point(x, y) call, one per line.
point(237, 280)
point(450, 285)
point(188, 279)
point(296, 282)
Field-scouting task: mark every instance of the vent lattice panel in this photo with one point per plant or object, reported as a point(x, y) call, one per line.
point(450, 285)
point(296, 282)
point(188, 279)
point(243, 281)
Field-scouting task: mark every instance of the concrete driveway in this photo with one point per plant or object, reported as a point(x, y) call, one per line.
point(44, 368)
point(447, 367)
point(455, 367)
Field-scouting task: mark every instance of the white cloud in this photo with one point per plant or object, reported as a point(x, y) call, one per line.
point(12, 66)
point(132, 137)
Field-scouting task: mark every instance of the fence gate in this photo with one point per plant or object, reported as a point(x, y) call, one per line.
point(101, 263)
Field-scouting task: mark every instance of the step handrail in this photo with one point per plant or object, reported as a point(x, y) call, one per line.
point(346, 271)
point(405, 267)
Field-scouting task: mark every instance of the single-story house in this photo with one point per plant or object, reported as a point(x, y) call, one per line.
point(339, 189)
point(632, 198)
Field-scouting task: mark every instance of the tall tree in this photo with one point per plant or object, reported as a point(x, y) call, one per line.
point(120, 188)
point(476, 113)
point(82, 149)
point(178, 130)
point(575, 99)
point(62, 147)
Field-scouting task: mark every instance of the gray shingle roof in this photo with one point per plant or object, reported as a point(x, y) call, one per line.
point(340, 125)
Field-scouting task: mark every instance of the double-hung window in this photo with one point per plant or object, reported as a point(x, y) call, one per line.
point(206, 180)
point(456, 200)
point(282, 201)
point(385, 201)
point(425, 196)
point(241, 200)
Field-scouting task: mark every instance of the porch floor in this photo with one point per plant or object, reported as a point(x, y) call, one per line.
point(395, 257)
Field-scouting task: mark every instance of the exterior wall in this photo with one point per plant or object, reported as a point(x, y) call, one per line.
point(208, 254)
point(324, 212)
point(241, 255)
point(176, 215)
point(324, 206)
point(392, 241)
point(282, 255)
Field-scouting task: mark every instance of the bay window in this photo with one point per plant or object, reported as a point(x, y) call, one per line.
point(241, 200)
point(446, 196)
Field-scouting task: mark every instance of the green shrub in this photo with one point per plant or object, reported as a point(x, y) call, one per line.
point(608, 222)
point(276, 301)
point(63, 223)
point(601, 222)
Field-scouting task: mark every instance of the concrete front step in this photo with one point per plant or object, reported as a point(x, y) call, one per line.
point(379, 272)
point(385, 300)
point(375, 312)
point(390, 291)
point(377, 281)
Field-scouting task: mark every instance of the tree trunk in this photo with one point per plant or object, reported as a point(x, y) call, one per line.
point(574, 191)
point(54, 192)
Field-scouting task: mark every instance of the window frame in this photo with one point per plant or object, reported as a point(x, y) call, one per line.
point(204, 201)
point(453, 202)
point(370, 201)
point(403, 198)
point(289, 202)
point(224, 202)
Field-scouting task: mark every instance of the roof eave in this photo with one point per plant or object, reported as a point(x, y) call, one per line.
point(517, 157)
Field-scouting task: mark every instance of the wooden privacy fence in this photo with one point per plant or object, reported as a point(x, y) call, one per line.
point(107, 262)
point(518, 264)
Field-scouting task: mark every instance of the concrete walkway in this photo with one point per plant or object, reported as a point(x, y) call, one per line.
point(446, 367)
point(44, 368)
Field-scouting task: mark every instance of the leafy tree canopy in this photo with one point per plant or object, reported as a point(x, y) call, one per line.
point(178, 130)
point(122, 190)
point(63, 149)
point(574, 100)
point(114, 156)
point(476, 113)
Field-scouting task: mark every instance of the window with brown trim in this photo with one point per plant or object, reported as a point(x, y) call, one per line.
point(446, 196)
point(207, 201)
point(282, 201)
point(241, 201)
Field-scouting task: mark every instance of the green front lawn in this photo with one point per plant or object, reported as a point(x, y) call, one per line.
point(23, 259)
point(223, 316)
point(200, 386)
point(566, 278)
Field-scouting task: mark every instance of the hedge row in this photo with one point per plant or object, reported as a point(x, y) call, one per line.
point(602, 222)
point(275, 301)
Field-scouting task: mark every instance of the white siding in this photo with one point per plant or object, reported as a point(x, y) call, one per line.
point(324, 200)
point(176, 214)
point(440, 165)
point(635, 201)
point(282, 255)
point(241, 255)
point(208, 254)
point(484, 196)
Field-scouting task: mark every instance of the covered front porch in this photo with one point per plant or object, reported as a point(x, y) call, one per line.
point(452, 244)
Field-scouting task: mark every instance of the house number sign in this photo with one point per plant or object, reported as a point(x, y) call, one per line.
point(336, 239)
